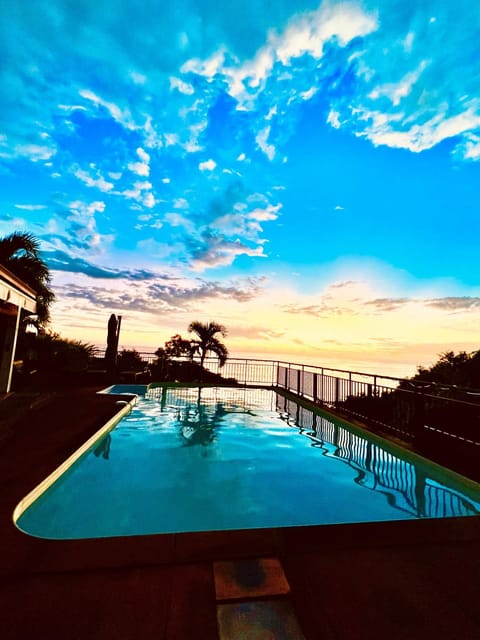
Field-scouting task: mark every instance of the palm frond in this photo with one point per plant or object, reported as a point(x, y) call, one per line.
point(18, 244)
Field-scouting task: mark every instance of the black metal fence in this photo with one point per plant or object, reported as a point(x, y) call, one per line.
point(408, 409)
point(405, 408)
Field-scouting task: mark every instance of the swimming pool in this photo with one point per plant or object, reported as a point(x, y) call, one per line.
point(208, 459)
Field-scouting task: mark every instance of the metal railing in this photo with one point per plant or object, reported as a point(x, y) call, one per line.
point(402, 407)
point(405, 408)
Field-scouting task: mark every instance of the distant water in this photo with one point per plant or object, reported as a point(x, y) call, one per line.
point(379, 367)
point(386, 368)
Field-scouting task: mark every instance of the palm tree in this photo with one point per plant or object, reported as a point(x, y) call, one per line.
point(207, 340)
point(20, 254)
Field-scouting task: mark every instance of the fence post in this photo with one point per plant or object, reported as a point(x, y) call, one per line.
point(299, 391)
point(418, 413)
point(337, 390)
point(315, 375)
point(349, 383)
point(322, 388)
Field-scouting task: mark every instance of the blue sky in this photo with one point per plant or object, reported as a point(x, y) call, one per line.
point(305, 173)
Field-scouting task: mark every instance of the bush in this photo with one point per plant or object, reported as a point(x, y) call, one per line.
point(48, 352)
point(130, 360)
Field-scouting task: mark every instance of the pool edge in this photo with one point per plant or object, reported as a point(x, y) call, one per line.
point(37, 491)
point(463, 484)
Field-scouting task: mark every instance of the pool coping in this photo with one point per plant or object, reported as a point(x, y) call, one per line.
point(39, 489)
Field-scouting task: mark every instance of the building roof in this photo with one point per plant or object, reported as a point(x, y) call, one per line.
point(15, 291)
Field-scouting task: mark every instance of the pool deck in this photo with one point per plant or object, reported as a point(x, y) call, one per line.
point(396, 580)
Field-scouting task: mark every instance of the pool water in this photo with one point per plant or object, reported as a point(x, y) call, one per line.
point(203, 459)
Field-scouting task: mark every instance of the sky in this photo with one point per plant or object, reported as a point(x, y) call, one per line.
point(305, 174)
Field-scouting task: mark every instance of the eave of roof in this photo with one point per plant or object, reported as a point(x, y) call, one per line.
point(15, 291)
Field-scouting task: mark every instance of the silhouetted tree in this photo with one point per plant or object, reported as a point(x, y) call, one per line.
point(461, 369)
point(20, 254)
point(178, 347)
point(130, 359)
point(207, 340)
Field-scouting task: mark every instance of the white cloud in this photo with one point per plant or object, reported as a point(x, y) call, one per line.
point(419, 137)
point(171, 139)
point(408, 42)
point(98, 206)
point(71, 107)
point(272, 112)
point(306, 33)
point(138, 78)
point(308, 95)
point(177, 220)
point(141, 193)
point(151, 137)
point(208, 68)
point(241, 157)
point(143, 155)
point(414, 87)
point(333, 119)
point(140, 168)
point(166, 180)
point(31, 207)
point(82, 234)
point(208, 165)
point(149, 200)
point(181, 86)
point(123, 117)
point(470, 149)
point(180, 203)
point(141, 186)
point(261, 139)
point(99, 182)
point(33, 152)
point(270, 212)
point(309, 32)
point(395, 92)
point(221, 253)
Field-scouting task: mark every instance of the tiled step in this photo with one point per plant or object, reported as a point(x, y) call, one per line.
point(252, 601)
point(244, 579)
point(258, 620)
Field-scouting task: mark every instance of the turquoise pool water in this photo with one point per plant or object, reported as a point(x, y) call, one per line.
point(190, 459)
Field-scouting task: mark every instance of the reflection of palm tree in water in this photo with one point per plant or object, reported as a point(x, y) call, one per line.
point(198, 421)
point(103, 448)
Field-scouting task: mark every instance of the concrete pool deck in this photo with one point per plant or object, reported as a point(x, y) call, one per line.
point(417, 579)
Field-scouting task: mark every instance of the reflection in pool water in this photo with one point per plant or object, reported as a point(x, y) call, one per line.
point(190, 459)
